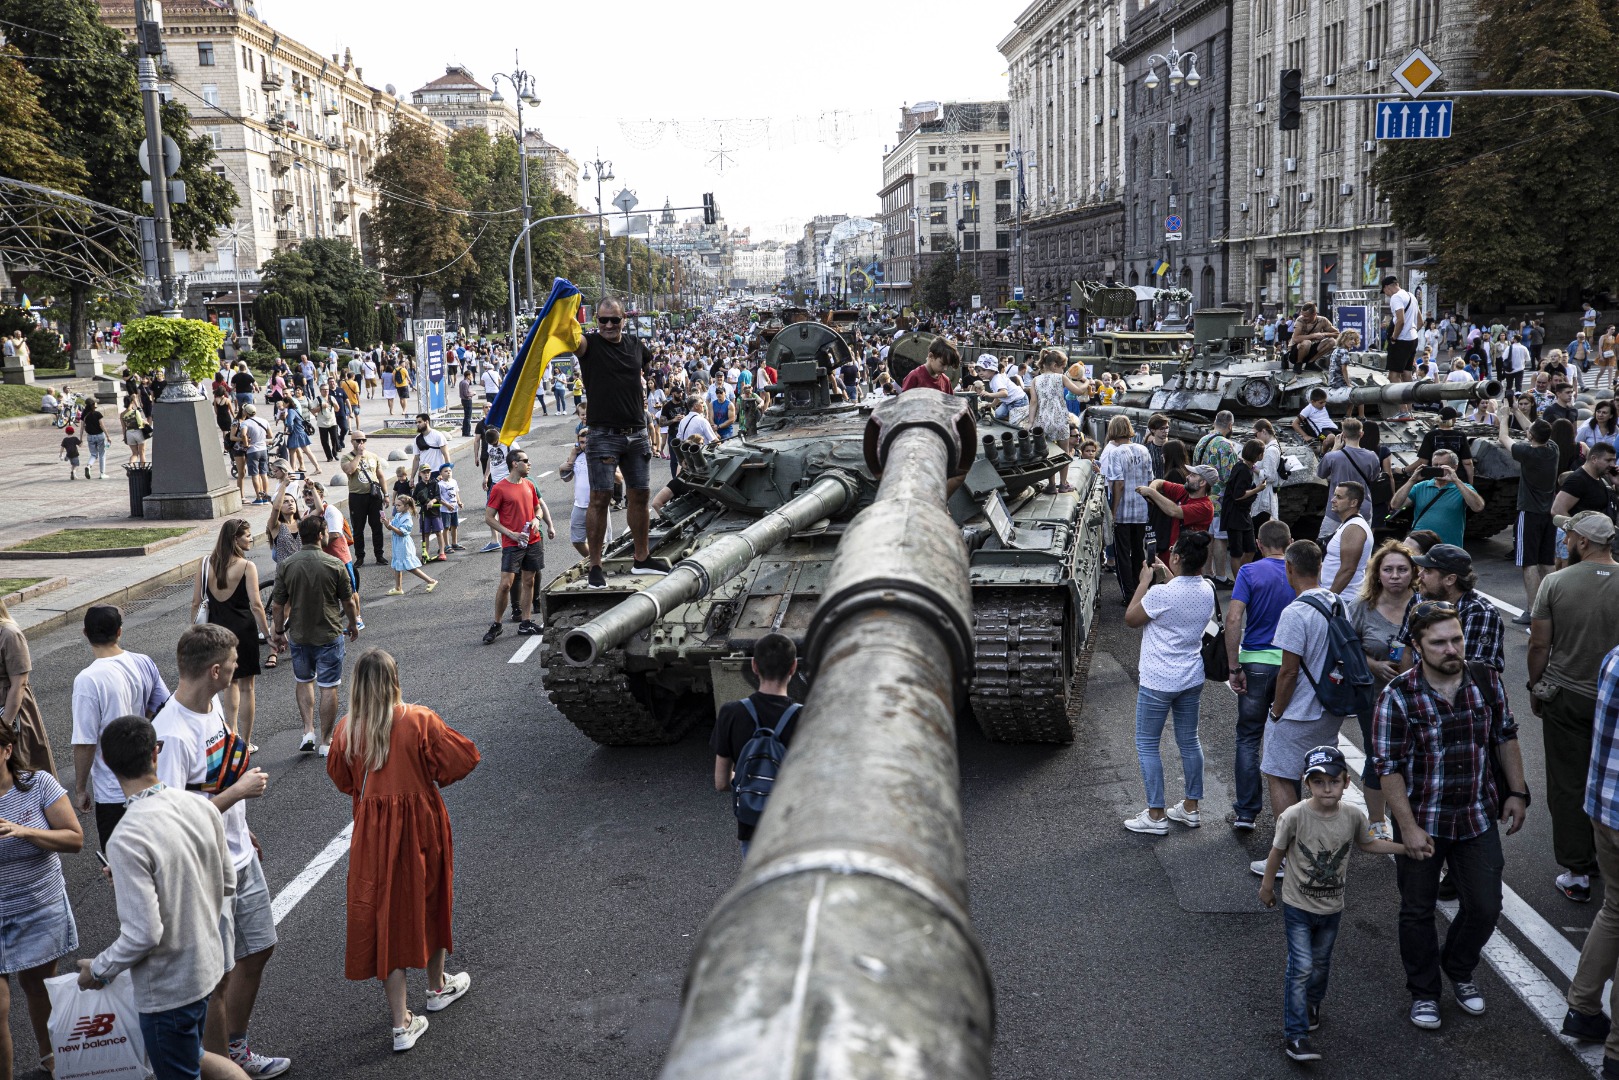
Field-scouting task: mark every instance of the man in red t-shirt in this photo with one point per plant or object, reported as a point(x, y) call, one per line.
point(516, 511)
point(1188, 506)
point(932, 375)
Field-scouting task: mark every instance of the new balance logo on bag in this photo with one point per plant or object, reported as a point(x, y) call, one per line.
point(759, 764)
point(90, 1027)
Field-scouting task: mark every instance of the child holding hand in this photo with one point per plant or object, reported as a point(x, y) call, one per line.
point(405, 559)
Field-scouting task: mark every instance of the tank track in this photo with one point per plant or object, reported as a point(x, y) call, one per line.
point(600, 701)
point(1500, 512)
point(1019, 693)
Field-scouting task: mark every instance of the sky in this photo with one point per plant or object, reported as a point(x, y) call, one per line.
point(660, 88)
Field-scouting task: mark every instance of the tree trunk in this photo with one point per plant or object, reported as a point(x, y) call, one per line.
point(415, 300)
point(79, 317)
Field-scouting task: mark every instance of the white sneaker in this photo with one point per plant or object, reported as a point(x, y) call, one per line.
point(405, 1037)
point(326, 749)
point(1258, 867)
point(454, 987)
point(308, 742)
point(1144, 822)
point(1186, 817)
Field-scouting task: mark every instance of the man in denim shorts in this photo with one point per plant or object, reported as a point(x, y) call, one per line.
point(612, 365)
point(316, 589)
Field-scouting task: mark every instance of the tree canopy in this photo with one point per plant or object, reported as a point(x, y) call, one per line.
point(416, 223)
point(1513, 202)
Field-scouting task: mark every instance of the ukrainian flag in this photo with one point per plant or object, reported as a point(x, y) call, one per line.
point(555, 332)
point(1161, 269)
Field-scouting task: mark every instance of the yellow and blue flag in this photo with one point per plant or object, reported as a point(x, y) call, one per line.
point(555, 331)
point(1161, 269)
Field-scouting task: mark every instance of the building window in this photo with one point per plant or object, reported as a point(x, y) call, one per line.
point(210, 95)
point(1003, 189)
point(1003, 241)
point(205, 53)
point(1002, 267)
point(215, 139)
point(936, 191)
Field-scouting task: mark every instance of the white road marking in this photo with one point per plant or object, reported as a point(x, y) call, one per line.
point(1538, 992)
point(310, 876)
point(544, 474)
point(1502, 604)
point(526, 650)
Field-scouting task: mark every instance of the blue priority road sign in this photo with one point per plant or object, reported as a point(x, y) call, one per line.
point(1421, 119)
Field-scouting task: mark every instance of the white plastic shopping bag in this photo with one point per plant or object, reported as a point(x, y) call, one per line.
point(96, 1033)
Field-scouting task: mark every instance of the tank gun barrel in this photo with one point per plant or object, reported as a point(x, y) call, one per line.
point(1425, 392)
point(846, 941)
point(715, 564)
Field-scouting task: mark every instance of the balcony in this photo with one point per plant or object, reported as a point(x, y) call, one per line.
point(334, 142)
point(340, 211)
point(286, 236)
point(276, 122)
point(280, 161)
point(331, 109)
point(270, 81)
point(281, 199)
point(337, 176)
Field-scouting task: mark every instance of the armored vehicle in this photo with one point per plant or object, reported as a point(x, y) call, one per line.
point(1219, 375)
point(750, 534)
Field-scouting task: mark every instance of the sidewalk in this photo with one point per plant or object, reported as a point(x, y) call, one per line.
point(41, 499)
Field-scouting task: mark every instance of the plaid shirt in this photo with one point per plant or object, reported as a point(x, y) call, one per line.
point(1482, 629)
point(1442, 748)
point(1131, 463)
point(1602, 784)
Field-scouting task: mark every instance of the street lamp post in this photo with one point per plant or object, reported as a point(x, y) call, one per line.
point(522, 84)
point(604, 173)
point(1189, 78)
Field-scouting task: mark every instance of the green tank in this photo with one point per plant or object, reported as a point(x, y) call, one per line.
point(750, 535)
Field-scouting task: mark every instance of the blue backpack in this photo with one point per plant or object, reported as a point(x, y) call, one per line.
point(1346, 687)
point(759, 764)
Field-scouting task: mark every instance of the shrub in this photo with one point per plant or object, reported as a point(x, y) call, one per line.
point(151, 342)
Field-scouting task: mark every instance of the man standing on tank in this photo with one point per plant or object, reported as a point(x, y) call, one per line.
point(612, 365)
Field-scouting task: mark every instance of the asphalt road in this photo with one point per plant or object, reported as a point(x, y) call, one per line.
point(583, 875)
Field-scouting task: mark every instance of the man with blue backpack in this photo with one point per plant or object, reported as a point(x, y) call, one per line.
point(751, 736)
point(1323, 678)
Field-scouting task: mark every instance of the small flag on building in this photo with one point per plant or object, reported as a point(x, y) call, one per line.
point(1161, 269)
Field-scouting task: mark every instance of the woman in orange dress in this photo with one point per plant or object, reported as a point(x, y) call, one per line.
point(392, 758)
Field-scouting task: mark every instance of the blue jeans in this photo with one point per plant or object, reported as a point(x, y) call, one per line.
point(319, 664)
point(174, 1041)
point(1309, 960)
point(1153, 707)
point(98, 451)
point(1252, 709)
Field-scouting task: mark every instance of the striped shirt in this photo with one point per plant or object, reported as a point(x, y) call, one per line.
point(1602, 783)
point(1131, 463)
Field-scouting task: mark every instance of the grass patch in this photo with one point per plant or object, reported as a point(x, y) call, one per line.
point(96, 539)
point(9, 585)
point(20, 400)
point(53, 372)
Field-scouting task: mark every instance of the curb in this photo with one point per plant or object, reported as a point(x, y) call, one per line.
point(18, 423)
point(98, 553)
point(50, 584)
point(120, 597)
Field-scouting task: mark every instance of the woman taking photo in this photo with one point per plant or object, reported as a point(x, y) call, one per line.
point(1387, 592)
point(1171, 607)
point(230, 583)
point(391, 759)
point(36, 923)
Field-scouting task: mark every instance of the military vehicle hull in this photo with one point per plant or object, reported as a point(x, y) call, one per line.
point(748, 560)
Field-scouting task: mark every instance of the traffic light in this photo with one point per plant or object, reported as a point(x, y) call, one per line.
point(710, 215)
point(1289, 116)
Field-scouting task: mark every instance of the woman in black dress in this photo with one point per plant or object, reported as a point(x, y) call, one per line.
point(230, 583)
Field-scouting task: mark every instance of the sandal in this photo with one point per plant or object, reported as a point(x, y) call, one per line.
point(1065, 488)
point(270, 663)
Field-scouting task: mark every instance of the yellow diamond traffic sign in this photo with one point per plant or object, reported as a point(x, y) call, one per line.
point(1417, 73)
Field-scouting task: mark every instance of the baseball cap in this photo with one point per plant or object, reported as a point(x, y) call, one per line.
point(1209, 473)
point(1594, 525)
point(1326, 760)
point(1447, 558)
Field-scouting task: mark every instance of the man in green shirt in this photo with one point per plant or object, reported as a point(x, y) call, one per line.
point(316, 587)
point(1439, 503)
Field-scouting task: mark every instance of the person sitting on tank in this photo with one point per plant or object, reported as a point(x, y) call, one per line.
point(1312, 336)
point(1313, 421)
point(937, 370)
point(1007, 393)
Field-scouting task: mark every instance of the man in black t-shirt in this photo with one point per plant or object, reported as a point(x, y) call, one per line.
point(775, 660)
point(1589, 487)
point(612, 365)
point(1446, 437)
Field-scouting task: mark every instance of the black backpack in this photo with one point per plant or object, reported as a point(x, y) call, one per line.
point(1346, 687)
point(759, 764)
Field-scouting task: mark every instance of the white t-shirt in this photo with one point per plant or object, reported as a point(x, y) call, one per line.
point(189, 749)
point(696, 424)
point(1458, 376)
point(256, 433)
point(1517, 355)
point(449, 494)
point(491, 381)
point(497, 454)
point(1403, 301)
point(1014, 392)
point(432, 455)
point(1333, 560)
point(1171, 659)
point(1302, 631)
point(1319, 417)
point(128, 684)
point(581, 483)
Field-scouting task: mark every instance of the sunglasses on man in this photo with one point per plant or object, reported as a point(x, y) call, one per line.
point(608, 320)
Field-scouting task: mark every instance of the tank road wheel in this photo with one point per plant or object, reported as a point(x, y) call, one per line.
point(601, 701)
point(1022, 681)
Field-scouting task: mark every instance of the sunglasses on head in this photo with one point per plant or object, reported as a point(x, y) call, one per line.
point(1429, 608)
point(608, 320)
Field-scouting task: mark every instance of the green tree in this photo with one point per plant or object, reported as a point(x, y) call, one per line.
point(87, 84)
point(1512, 201)
point(331, 269)
point(487, 175)
point(360, 318)
point(964, 286)
point(416, 223)
point(387, 324)
point(268, 311)
point(938, 284)
point(26, 152)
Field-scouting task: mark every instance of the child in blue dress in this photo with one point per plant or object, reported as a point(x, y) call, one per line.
point(405, 558)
